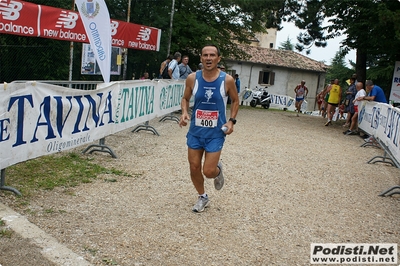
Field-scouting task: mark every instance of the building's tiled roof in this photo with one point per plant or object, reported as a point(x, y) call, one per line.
point(281, 58)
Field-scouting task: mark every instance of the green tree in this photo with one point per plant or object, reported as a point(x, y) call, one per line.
point(195, 23)
point(372, 27)
point(338, 70)
point(286, 45)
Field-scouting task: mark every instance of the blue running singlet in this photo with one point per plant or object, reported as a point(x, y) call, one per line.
point(209, 109)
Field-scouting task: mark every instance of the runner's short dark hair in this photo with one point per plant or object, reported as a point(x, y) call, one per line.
point(213, 45)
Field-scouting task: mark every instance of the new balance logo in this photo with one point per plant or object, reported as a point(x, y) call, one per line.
point(10, 11)
point(144, 34)
point(114, 27)
point(67, 20)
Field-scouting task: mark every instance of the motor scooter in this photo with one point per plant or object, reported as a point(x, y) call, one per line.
point(260, 97)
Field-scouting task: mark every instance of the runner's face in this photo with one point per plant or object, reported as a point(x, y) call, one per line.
point(209, 57)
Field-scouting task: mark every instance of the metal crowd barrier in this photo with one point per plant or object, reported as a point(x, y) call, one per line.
point(388, 158)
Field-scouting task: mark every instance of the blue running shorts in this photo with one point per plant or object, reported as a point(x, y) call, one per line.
point(209, 144)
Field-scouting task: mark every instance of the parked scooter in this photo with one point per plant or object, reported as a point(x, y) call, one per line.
point(260, 97)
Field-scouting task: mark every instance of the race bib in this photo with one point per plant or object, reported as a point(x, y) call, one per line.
point(206, 118)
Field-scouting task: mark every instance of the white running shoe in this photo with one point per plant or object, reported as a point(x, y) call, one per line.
point(201, 204)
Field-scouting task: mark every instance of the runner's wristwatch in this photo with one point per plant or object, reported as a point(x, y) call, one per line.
point(233, 120)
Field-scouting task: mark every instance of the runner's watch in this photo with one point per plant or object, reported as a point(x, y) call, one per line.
point(233, 120)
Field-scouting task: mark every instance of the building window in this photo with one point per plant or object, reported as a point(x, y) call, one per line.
point(266, 78)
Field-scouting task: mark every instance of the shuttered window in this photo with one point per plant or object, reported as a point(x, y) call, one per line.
point(266, 78)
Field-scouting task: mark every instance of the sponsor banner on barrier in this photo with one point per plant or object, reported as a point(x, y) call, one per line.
point(284, 101)
point(277, 101)
point(37, 119)
point(382, 121)
point(32, 20)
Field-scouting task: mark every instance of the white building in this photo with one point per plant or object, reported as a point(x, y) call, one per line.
point(279, 70)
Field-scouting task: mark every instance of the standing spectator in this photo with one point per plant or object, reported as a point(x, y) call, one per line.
point(354, 120)
point(164, 65)
point(301, 91)
point(200, 66)
point(237, 83)
point(348, 102)
point(173, 68)
point(145, 75)
point(335, 96)
point(206, 136)
point(184, 69)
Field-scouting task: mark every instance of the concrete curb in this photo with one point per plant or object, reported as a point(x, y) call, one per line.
point(51, 249)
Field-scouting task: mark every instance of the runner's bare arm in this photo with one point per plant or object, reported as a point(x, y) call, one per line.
point(187, 94)
point(233, 94)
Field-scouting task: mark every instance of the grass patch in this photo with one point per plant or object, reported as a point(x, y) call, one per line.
point(48, 172)
point(92, 251)
point(5, 232)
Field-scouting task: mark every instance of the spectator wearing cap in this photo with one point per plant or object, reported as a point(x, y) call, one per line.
point(348, 102)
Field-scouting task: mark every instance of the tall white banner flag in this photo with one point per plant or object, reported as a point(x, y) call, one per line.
point(96, 20)
point(395, 92)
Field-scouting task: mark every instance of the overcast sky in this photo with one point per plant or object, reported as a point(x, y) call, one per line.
point(320, 54)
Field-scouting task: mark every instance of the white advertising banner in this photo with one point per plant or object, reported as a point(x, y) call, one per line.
point(277, 101)
point(96, 20)
point(395, 91)
point(38, 119)
point(382, 121)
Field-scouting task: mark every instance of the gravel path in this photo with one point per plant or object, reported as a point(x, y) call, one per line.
point(289, 182)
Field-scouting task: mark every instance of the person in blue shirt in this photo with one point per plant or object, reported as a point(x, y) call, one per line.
point(237, 83)
point(375, 93)
point(209, 123)
point(173, 67)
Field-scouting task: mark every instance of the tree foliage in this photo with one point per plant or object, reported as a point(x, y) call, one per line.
point(372, 28)
point(286, 45)
point(196, 23)
point(338, 70)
